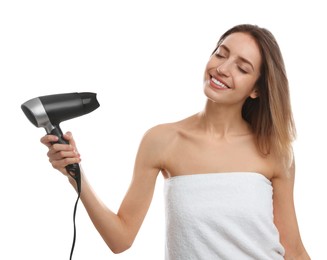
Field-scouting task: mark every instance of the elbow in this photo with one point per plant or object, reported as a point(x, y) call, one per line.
point(119, 249)
point(119, 240)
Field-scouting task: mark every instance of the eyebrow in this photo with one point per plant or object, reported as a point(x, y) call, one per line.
point(239, 57)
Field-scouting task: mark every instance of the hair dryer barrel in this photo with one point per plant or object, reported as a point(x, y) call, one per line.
point(49, 111)
point(62, 107)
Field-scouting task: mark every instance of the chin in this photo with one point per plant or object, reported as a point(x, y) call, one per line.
point(211, 95)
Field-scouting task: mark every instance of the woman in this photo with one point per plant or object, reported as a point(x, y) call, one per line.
point(229, 169)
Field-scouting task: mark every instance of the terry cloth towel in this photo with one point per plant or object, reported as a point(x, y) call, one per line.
point(225, 216)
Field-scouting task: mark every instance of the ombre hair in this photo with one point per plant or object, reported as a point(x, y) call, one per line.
point(270, 114)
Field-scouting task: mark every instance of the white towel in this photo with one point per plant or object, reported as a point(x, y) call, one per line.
point(225, 216)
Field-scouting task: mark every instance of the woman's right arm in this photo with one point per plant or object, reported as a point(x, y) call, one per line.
point(117, 229)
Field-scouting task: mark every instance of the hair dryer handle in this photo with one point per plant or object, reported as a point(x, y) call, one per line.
point(73, 169)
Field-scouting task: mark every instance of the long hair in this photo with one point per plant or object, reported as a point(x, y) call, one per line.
point(270, 114)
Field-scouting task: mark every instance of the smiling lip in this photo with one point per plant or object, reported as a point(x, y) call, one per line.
point(217, 84)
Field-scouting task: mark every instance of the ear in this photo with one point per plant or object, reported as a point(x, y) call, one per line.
point(255, 93)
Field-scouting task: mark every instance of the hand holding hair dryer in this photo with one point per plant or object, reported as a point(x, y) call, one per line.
point(49, 111)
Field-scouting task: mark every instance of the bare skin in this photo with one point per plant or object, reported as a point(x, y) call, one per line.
point(212, 141)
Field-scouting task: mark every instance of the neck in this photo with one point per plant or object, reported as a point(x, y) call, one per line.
point(223, 120)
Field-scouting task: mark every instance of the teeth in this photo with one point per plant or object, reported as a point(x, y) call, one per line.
point(219, 83)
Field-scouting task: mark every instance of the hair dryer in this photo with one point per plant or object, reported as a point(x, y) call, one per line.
point(49, 111)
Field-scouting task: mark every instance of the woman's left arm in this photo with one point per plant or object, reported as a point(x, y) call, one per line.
point(285, 216)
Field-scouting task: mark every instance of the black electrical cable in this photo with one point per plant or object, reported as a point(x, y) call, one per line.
point(74, 221)
point(75, 172)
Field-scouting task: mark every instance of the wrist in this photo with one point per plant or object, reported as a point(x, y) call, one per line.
point(72, 181)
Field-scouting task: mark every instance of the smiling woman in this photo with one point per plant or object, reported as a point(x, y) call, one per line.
point(259, 69)
point(229, 69)
point(228, 170)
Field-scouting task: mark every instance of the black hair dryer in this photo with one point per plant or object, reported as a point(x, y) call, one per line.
point(49, 111)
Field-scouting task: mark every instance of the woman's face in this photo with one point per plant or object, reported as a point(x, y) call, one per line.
point(232, 71)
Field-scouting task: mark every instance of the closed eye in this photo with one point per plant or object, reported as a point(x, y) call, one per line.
point(219, 56)
point(242, 70)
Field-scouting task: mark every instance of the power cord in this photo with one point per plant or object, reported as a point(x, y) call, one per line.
point(75, 172)
point(74, 221)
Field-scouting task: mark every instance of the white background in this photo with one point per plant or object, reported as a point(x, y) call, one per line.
point(145, 60)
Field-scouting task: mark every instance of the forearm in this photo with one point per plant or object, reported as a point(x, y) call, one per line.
point(116, 232)
point(110, 226)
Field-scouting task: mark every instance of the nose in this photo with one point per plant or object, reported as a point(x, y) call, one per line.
point(224, 69)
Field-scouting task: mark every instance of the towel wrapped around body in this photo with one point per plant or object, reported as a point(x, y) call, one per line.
point(226, 216)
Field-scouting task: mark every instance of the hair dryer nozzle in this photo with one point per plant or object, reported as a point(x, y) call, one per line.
point(89, 101)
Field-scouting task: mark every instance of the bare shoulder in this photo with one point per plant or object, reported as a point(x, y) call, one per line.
point(156, 144)
point(161, 140)
point(167, 132)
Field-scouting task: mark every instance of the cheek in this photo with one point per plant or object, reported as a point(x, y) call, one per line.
point(244, 83)
point(206, 74)
point(212, 64)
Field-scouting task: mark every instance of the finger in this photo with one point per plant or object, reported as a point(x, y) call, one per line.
point(69, 137)
point(61, 164)
point(47, 140)
point(62, 154)
point(57, 148)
